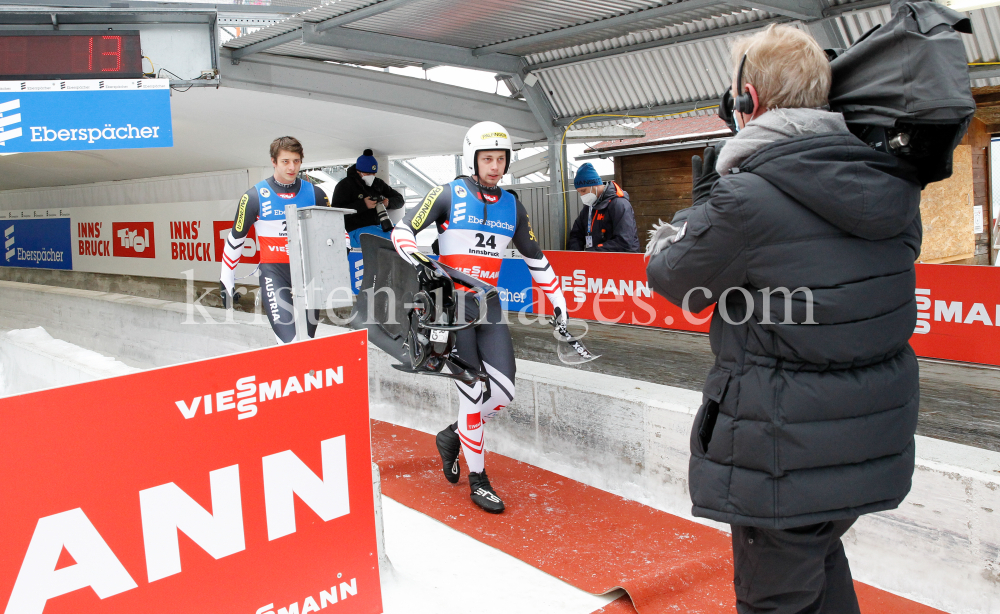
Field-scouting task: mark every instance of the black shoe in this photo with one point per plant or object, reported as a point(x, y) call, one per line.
point(483, 494)
point(448, 447)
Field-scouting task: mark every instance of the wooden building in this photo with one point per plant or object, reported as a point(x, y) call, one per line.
point(656, 172)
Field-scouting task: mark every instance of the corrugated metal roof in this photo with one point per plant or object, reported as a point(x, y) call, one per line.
point(677, 59)
point(467, 24)
point(662, 34)
point(687, 72)
point(326, 10)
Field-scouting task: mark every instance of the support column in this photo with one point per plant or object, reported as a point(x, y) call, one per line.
point(827, 34)
point(558, 200)
point(383, 167)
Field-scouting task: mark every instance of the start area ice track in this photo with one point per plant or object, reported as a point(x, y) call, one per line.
point(625, 436)
point(587, 537)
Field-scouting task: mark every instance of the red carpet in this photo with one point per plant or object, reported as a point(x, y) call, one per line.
point(587, 537)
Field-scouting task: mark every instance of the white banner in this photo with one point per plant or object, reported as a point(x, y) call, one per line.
point(162, 240)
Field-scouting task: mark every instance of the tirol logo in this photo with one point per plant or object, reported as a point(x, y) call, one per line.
point(133, 240)
point(8, 243)
point(286, 195)
point(7, 120)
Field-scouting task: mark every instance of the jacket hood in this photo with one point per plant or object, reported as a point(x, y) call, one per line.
point(611, 190)
point(861, 191)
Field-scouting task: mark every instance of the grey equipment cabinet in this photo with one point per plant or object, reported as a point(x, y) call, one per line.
point(317, 257)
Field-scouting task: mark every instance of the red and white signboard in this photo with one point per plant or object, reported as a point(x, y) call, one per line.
point(175, 240)
point(236, 485)
point(612, 287)
point(958, 315)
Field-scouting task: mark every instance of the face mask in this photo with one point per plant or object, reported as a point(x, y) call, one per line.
point(588, 199)
point(368, 179)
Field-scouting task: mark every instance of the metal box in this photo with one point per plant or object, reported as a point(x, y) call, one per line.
point(317, 257)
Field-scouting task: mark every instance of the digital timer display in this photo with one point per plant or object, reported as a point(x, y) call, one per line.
point(70, 54)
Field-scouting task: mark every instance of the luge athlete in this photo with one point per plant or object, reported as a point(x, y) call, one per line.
point(263, 208)
point(476, 220)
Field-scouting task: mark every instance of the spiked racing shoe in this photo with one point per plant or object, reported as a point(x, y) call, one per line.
point(483, 494)
point(448, 447)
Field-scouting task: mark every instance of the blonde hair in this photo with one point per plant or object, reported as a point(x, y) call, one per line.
point(785, 65)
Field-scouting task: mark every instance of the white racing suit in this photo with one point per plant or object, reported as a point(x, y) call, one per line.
point(475, 224)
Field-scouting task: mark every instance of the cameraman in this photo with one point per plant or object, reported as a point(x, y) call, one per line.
point(369, 196)
point(809, 413)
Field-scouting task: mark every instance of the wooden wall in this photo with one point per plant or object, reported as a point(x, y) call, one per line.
point(968, 187)
point(658, 185)
point(979, 139)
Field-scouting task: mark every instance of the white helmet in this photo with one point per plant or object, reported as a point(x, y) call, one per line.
point(484, 136)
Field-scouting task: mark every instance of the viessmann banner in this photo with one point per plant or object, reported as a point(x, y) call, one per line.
point(958, 307)
point(238, 485)
point(84, 115)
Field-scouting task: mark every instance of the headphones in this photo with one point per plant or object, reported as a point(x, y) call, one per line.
point(743, 102)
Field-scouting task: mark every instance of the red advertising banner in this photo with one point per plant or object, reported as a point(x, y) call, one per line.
point(611, 287)
point(958, 306)
point(240, 484)
point(958, 312)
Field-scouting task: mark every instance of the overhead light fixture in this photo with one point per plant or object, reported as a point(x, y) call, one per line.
point(968, 5)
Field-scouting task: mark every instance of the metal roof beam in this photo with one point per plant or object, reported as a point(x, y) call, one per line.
point(539, 104)
point(797, 9)
point(264, 45)
point(640, 113)
point(983, 72)
point(363, 13)
point(409, 49)
point(333, 22)
point(603, 24)
point(409, 176)
point(337, 83)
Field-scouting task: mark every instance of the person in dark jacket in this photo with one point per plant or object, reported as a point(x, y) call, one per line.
point(607, 223)
point(808, 416)
point(369, 196)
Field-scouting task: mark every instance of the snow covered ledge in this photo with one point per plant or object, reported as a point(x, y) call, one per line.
point(626, 436)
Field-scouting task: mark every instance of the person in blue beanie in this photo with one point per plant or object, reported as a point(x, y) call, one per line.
point(369, 197)
point(607, 222)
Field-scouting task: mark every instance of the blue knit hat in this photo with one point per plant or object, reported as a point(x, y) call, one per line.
point(367, 163)
point(587, 176)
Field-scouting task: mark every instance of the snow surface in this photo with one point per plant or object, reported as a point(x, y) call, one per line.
point(438, 569)
point(31, 359)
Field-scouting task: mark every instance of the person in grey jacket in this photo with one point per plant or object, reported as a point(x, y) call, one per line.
point(607, 221)
point(809, 413)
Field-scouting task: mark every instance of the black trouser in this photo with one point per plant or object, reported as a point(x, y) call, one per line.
point(794, 571)
point(276, 300)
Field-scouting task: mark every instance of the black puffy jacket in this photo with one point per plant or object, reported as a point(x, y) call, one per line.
point(803, 423)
